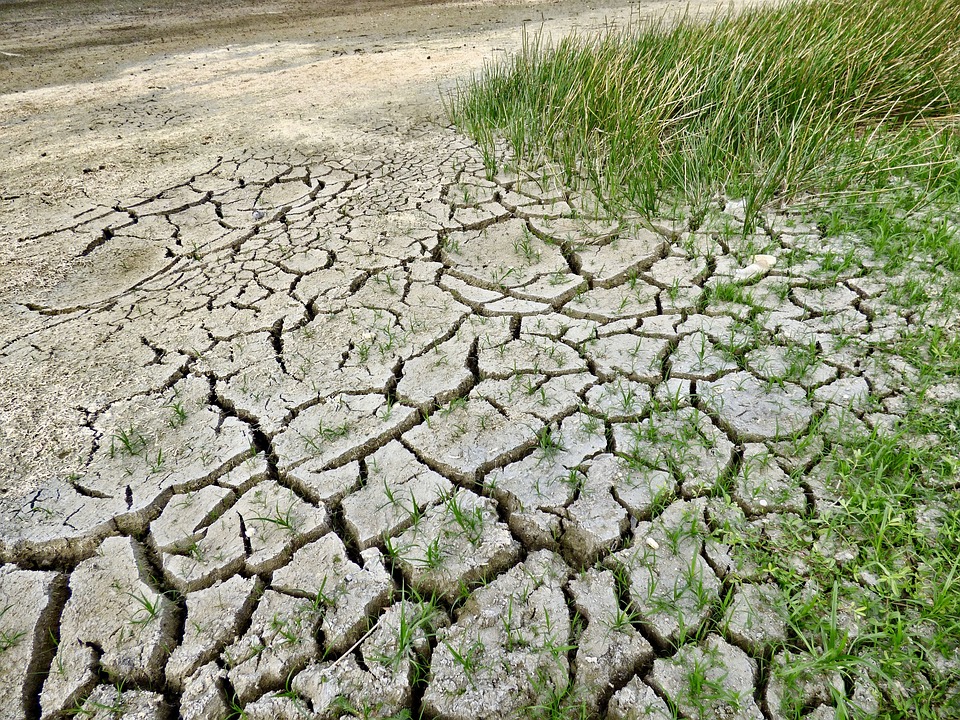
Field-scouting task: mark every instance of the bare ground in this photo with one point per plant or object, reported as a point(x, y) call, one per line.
point(106, 102)
point(280, 363)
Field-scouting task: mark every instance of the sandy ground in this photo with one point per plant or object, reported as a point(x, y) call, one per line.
point(103, 103)
point(105, 100)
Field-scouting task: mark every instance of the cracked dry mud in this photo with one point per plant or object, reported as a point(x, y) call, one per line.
point(405, 381)
point(322, 390)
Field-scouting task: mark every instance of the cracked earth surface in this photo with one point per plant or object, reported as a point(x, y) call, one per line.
point(311, 393)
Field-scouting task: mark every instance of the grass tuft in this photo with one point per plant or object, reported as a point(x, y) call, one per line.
point(804, 97)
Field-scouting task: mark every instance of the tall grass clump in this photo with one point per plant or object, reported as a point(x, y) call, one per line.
point(822, 96)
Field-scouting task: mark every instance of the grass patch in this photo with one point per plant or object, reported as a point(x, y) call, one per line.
point(871, 578)
point(888, 609)
point(826, 97)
